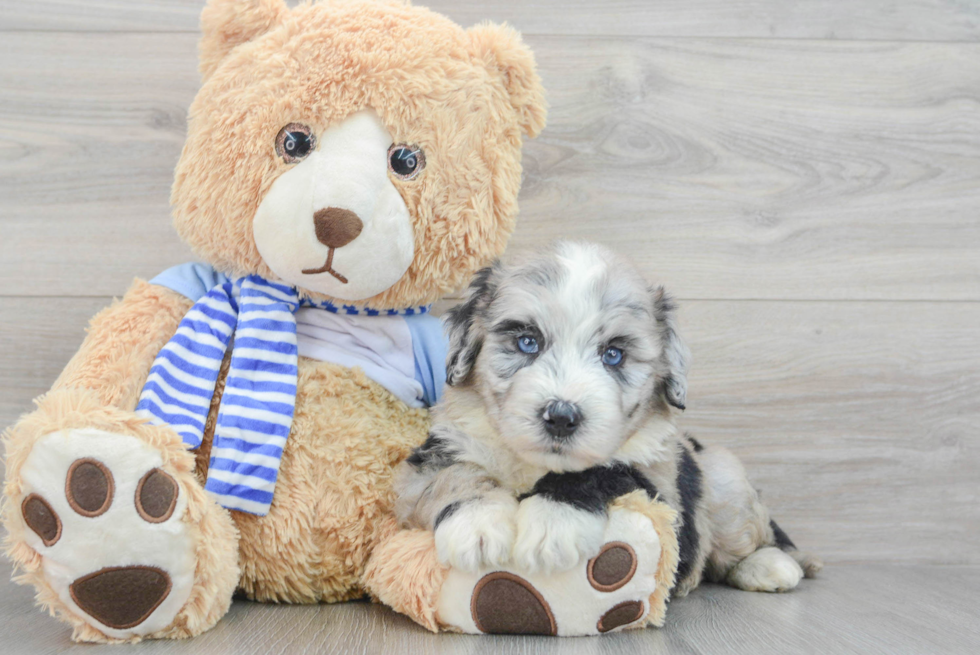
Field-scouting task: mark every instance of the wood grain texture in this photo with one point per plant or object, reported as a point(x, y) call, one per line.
point(37, 338)
point(858, 421)
point(90, 131)
point(765, 170)
point(731, 169)
point(866, 610)
point(933, 20)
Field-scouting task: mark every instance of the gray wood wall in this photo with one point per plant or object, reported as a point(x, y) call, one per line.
point(805, 176)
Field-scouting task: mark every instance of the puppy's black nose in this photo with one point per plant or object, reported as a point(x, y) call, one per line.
point(561, 418)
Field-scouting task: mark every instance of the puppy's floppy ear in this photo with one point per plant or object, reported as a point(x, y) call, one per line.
point(464, 329)
point(675, 355)
point(229, 23)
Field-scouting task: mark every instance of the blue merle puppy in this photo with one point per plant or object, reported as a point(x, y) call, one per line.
point(566, 375)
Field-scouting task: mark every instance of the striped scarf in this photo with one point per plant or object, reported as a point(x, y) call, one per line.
point(257, 405)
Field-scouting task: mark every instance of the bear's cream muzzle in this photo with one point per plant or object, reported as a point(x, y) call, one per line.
point(334, 223)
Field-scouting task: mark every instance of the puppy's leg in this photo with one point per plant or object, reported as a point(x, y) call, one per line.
point(477, 532)
point(472, 516)
point(554, 535)
point(749, 551)
point(562, 519)
point(810, 564)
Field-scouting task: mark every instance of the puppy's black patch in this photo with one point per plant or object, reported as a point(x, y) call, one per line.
point(663, 305)
point(695, 444)
point(435, 453)
point(464, 343)
point(689, 485)
point(673, 386)
point(446, 512)
point(783, 542)
point(593, 489)
point(517, 328)
point(463, 360)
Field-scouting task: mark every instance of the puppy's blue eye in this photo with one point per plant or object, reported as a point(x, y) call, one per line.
point(612, 357)
point(528, 345)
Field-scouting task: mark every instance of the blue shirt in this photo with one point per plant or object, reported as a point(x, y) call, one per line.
point(429, 345)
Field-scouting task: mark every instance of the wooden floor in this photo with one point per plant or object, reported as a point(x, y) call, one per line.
point(863, 609)
point(804, 175)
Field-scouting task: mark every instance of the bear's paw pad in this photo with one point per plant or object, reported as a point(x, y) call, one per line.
point(121, 597)
point(107, 520)
point(613, 567)
point(504, 603)
point(40, 518)
point(89, 487)
point(620, 615)
point(609, 591)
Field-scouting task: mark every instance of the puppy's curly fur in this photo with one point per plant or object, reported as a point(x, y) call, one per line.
point(567, 374)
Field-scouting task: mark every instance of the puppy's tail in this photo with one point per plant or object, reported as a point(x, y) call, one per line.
point(810, 564)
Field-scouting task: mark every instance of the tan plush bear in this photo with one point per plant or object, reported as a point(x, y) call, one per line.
point(234, 424)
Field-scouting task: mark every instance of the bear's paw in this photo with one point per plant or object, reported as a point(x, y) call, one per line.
point(106, 516)
point(610, 591)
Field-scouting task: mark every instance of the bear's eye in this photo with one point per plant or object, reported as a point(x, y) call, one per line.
point(294, 142)
point(405, 162)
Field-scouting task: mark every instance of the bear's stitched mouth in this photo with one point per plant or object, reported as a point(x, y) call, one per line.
point(326, 268)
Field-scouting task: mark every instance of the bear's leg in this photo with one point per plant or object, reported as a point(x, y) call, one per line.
point(108, 521)
point(333, 498)
point(625, 586)
point(404, 573)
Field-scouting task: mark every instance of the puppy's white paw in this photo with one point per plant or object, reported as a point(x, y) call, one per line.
point(767, 569)
point(554, 536)
point(478, 534)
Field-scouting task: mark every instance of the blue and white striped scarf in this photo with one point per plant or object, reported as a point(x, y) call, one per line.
point(256, 410)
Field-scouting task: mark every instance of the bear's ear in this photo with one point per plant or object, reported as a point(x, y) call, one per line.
point(229, 23)
point(502, 49)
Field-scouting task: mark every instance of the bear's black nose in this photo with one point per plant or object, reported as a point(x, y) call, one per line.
point(336, 227)
point(561, 418)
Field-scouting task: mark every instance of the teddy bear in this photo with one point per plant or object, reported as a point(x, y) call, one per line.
point(232, 425)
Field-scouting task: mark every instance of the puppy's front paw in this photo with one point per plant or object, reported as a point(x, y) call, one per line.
point(477, 534)
point(554, 536)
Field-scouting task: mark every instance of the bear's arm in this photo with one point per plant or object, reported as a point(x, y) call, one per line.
point(123, 341)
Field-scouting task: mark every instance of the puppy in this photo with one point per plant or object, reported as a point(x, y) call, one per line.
point(565, 376)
